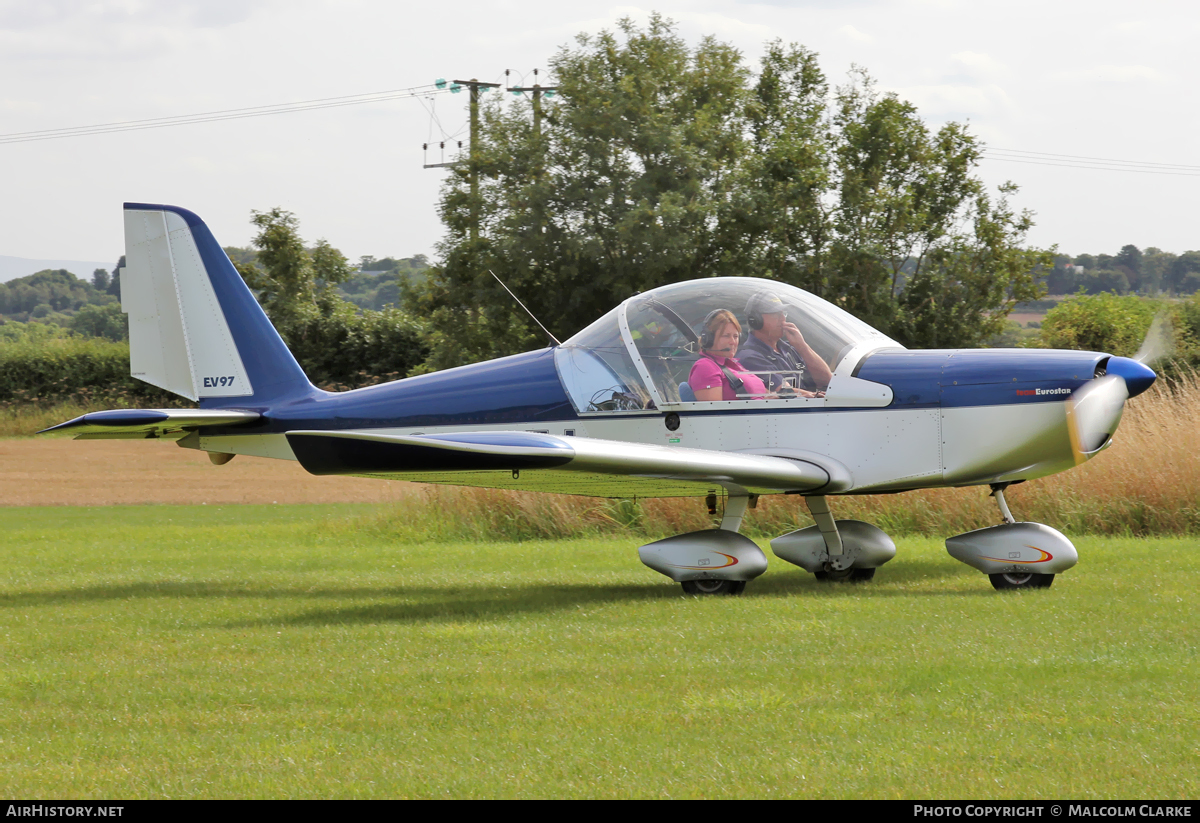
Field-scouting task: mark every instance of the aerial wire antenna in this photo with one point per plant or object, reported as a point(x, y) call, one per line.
point(522, 305)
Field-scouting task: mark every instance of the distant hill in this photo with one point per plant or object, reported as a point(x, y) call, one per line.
point(11, 267)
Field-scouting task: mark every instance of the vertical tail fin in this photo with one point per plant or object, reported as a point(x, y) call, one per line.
point(195, 328)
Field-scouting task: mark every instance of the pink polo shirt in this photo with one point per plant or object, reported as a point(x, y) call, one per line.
point(706, 374)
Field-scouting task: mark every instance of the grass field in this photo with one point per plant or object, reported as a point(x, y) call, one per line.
point(301, 651)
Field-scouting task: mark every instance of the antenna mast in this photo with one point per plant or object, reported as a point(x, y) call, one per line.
point(522, 305)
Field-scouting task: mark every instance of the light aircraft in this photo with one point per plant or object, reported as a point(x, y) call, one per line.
point(610, 413)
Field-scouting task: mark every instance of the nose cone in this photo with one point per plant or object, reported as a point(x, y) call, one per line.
point(1137, 376)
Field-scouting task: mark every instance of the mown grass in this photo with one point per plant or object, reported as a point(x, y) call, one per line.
point(263, 651)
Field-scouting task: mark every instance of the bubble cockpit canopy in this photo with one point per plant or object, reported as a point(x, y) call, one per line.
point(639, 356)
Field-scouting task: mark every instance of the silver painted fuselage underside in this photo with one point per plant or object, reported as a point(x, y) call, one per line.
point(885, 450)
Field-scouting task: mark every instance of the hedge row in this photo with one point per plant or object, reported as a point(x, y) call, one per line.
point(58, 369)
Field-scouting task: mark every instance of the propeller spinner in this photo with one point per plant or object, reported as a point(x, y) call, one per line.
point(1094, 409)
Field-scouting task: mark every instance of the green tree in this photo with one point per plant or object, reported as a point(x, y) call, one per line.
point(1101, 322)
point(1185, 273)
point(618, 192)
point(1156, 264)
point(920, 248)
point(106, 321)
point(337, 346)
point(1129, 262)
point(50, 293)
point(114, 284)
point(661, 162)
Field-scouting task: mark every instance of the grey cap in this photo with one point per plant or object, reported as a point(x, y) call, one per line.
point(764, 302)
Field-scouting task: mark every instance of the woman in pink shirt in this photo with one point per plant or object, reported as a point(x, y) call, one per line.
point(717, 375)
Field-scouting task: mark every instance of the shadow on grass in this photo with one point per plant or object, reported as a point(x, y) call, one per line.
point(436, 604)
point(419, 603)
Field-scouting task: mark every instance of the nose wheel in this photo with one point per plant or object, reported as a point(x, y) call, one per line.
point(714, 586)
point(1020, 580)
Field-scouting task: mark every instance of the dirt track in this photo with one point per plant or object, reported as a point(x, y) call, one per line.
point(61, 472)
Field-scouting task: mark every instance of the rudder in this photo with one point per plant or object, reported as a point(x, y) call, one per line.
point(195, 328)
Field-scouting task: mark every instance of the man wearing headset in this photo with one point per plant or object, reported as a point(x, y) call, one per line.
point(777, 352)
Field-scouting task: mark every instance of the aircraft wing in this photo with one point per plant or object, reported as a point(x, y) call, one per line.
point(138, 424)
point(532, 461)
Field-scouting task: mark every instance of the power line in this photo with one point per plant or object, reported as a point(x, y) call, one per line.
point(427, 90)
point(1072, 161)
point(1094, 167)
point(1083, 157)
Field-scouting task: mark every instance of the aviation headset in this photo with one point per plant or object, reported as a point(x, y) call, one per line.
point(763, 302)
point(708, 333)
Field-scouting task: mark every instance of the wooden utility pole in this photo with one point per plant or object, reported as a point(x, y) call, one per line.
point(538, 91)
point(473, 158)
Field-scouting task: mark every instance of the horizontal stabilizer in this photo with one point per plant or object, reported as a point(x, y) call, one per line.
point(568, 465)
point(119, 424)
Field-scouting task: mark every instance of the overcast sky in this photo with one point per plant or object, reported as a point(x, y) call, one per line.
point(1072, 77)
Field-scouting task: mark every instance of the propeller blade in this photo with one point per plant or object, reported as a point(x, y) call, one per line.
point(1093, 412)
point(1159, 342)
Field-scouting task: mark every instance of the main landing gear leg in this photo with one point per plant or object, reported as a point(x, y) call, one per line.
point(835, 549)
point(838, 566)
point(998, 493)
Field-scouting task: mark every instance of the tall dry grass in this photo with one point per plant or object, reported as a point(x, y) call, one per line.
point(1146, 483)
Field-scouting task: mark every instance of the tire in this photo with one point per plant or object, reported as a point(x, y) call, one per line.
point(705, 587)
point(1011, 581)
point(852, 575)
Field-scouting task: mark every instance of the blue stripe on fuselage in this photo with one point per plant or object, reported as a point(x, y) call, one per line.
point(523, 388)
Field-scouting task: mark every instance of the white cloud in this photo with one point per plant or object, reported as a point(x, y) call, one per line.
point(855, 35)
point(953, 101)
point(978, 66)
point(1112, 74)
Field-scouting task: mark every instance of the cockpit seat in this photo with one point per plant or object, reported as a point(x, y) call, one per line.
point(686, 395)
